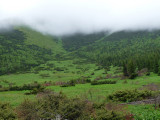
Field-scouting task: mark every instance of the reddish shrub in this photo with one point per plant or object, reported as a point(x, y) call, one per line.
point(152, 87)
point(108, 76)
point(142, 72)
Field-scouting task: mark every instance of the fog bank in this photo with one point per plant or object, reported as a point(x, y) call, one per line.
point(61, 17)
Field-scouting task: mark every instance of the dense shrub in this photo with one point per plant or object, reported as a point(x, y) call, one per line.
point(142, 72)
point(133, 75)
point(59, 68)
point(125, 82)
point(108, 76)
point(48, 83)
point(67, 84)
point(6, 112)
point(52, 106)
point(130, 95)
point(36, 90)
point(148, 74)
point(103, 82)
point(44, 75)
point(92, 73)
point(21, 88)
point(103, 114)
point(99, 78)
point(81, 80)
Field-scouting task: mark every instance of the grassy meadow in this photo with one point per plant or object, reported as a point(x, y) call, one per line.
point(69, 70)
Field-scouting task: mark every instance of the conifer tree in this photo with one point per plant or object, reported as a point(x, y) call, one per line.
point(131, 67)
point(125, 73)
point(159, 68)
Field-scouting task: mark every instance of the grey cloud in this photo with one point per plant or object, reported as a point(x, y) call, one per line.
point(60, 17)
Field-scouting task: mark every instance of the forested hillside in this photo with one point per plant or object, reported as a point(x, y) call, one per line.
point(142, 47)
point(76, 41)
point(23, 48)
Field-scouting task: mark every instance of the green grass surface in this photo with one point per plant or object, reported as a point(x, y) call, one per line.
point(144, 112)
point(14, 97)
point(93, 92)
point(104, 90)
point(41, 40)
point(96, 93)
point(87, 91)
point(71, 72)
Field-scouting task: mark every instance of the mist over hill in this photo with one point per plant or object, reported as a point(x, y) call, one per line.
point(60, 17)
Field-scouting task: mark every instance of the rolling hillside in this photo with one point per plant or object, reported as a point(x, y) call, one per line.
point(23, 48)
point(117, 48)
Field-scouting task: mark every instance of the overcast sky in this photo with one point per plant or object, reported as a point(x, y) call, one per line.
point(59, 17)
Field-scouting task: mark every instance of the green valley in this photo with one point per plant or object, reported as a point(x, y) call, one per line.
point(88, 72)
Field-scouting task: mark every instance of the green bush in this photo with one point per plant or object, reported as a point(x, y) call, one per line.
point(103, 82)
point(130, 95)
point(33, 86)
point(103, 114)
point(70, 83)
point(92, 73)
point(148, 74)
point(36, 90)
point(81, 80)
point(44, 75)
point(133, 75)
point(59, 68)
point(51, 106)
point(6, 112)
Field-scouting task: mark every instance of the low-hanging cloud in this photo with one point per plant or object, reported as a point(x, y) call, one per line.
point(61, 17)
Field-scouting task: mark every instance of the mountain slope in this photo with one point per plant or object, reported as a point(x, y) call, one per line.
point(117, 48)
point(41, 40)
point(23, 48)
point(76, 41)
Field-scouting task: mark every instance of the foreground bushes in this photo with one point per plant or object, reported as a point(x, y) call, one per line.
point(130, 95)
point(6, 112)
point(54, 106)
